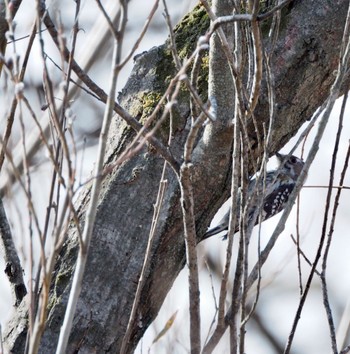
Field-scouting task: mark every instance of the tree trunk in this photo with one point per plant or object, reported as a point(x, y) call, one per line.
point(303, 64)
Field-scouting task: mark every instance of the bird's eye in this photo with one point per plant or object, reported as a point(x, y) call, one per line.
point(293, 159)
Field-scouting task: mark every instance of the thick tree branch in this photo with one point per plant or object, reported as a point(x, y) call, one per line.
point(303, 62)
point(13, 268)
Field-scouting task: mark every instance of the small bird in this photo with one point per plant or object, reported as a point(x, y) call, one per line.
point(279, 184)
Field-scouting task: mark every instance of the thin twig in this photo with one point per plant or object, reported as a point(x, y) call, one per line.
point(133, 122)
point(258, 59)
point(301, 252)
point(39, 305)
point(214, 299)
point(334, 94)
point(95, 191)
point(219, 331)
point(111, 26)
point(343, 327)
point(278, 7)
point(333, 187)
point(187, 204)
point(57, 163)
point(340, 338)
point(13, 268)
point(10, 118)
point(346, 350)
point(100, 94)
point(144, 134)
point(223, 39)
point(146, 262)
point(331, 228)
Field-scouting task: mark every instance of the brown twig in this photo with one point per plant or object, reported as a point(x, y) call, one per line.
point(146, 263)
point(137, 126)
point(13, 268)
point(96, 187)
point(344, 56)
point(331, 227)
point(57, 181)
point(10, 118)
point(186, 172)
point(301, 252)
point(276, 8)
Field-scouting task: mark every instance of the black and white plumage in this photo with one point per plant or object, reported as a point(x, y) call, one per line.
point(279, 184)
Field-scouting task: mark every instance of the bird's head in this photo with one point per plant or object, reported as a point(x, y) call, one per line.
point(291, 166)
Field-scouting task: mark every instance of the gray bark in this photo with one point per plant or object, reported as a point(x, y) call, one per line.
point(304, 61)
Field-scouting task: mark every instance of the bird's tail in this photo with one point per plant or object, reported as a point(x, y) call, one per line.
point(214, 231)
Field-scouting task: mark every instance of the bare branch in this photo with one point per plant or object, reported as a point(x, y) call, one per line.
point(331, 228)
point(334, 93)
point(92, 210)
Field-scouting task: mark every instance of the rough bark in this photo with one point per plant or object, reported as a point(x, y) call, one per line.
point(305, 58)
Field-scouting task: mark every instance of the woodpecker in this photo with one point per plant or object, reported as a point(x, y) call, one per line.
point(279, 184)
